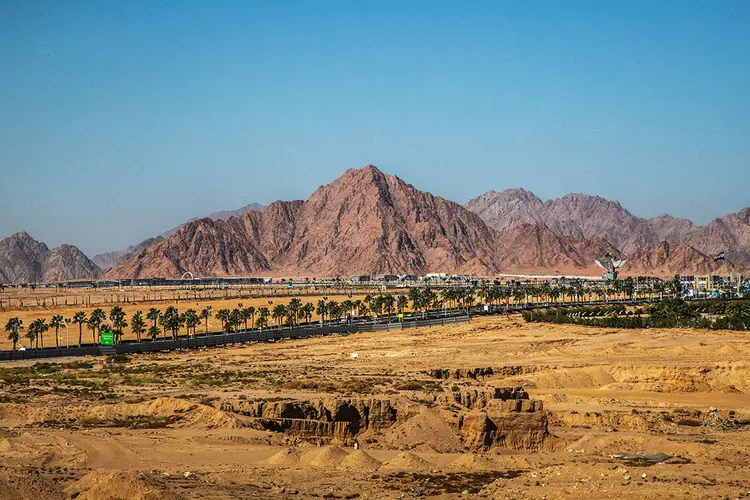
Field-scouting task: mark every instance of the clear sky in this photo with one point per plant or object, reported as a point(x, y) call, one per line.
point(120, 120)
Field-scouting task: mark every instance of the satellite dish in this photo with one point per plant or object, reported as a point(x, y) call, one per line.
point(610, 265)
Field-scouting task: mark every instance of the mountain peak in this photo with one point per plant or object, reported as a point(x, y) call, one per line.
point(26, 260)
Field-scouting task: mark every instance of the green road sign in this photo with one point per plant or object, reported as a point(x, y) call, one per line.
point(106, 338)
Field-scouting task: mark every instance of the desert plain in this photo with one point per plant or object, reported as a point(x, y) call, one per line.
point(497, 408)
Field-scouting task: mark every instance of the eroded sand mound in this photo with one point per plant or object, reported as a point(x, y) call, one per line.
point(185, 413)
point(177, 412)
point(407, 460)
point(289, 457)
point(426, 429)
point(325, 456)
point(107, 485)
point(360, 460)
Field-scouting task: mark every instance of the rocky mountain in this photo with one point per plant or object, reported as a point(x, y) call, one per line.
point(221, 215)
point(25, 260)
point(535, 248)
point(363, 222)
point(367, 222)
point(577, 216)
point(111, 259)
point(730, 234)
point(667, 259)
point(674, 229)
point(508, 208)
point(583, 217)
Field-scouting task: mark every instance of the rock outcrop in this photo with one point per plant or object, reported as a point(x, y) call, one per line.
point(334, 418)
point(481, 417)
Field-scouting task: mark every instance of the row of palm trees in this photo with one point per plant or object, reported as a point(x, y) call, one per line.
point(154, 322)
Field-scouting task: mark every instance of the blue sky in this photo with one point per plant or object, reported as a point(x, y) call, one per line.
point(120, 120)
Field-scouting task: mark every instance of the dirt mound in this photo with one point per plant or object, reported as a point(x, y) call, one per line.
point(407, 460)
point(473, 462)
point(285, 458)
point(426, 429)
point(158, 412)
point(325, 456)
point(107, 485)
point(28, 485)
point(360, 460)
point(185, 413)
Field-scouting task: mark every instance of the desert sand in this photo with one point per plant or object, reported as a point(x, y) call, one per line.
point(263, 420)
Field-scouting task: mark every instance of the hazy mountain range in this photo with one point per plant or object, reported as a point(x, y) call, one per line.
point(368, 222)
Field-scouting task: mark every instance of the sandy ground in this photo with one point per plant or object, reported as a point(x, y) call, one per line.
point(153, 426)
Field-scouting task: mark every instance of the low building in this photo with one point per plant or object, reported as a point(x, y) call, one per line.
point(386, 277)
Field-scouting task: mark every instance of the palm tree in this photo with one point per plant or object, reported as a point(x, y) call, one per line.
point(204, 316)
point(388, 302)
point(154, 332)
point(347, 306)
point(56, 322)
point(402, 303)
point(137, 325)
point(322, 310)
point(32, 334)
point(191, 320)
point(251, 311)
point(13, 328)
point(362, 309)
point(262, 317)
point(223, 316)
point(334, 310)
point(415, 296)
point(307, 311)
point(79, 318)
point(278, 313)
point(171, 321)
point(117, 317)
point(39, 326)
point(293, 310)
point(234, 319)
point(153, 314)
point(96, 318)
point(244, 316)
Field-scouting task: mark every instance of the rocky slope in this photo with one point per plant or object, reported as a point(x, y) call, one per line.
point(670, 258)
point(367, 222)
point(111, 259)
point(580, 216)
point(364, 222)
point(730, 233)
point(221, 215)
point(25, 260)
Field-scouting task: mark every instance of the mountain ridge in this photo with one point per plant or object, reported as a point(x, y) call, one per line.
point(26, 260)
point(369, 222)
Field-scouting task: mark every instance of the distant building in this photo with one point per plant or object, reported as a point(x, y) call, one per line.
point(386, 277)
